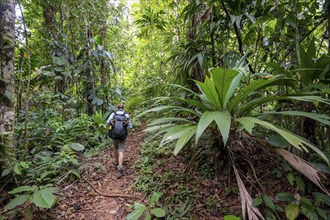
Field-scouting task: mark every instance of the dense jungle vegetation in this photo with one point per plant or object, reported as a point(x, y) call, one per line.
point(233, 96)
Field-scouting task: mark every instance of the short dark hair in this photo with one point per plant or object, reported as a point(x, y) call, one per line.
point(120, 106)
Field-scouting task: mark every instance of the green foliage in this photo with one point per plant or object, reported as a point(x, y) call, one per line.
point(296, 205)
point(233, 107)
point(150, 211)
point(213, 105)
point(231, 217)
point(40, 196)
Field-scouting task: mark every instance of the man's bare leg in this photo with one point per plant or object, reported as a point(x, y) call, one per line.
point(120, 158)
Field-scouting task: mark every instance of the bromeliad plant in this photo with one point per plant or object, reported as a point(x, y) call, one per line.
point(233, 107)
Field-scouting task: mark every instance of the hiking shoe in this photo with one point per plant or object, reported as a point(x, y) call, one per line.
point(119, 172)
point(116, 164)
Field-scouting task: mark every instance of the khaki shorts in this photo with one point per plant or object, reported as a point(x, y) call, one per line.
point(119, 145)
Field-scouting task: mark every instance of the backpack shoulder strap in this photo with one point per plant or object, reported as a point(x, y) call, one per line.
point(124, 113)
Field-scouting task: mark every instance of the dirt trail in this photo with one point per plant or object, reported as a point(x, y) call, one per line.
point(83, 202)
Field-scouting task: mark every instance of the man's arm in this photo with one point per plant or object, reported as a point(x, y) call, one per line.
point(129, 125)
point(109, 119)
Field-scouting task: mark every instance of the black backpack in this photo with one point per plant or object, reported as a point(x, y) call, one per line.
point(118, 126)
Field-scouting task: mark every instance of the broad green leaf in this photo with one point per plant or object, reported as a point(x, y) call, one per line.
point(44, 198)
point(284, 196)
point(292, 211)
point(210, 92)
point(317, 117)
point(18, 169)
point(21, 189)
point(300, 183)
point(231, 217)
point(290, 178)
point(277, 140)
point(158, 212)
point(5, 172)
point(226, 82)
point(98, 39)
point(147, 217)
point(137, 213)
point(77, 147)
point(17, 201)
point(269, 202)
point(321, 212)
point(308, 210)
point(222, 119)
point(155, 197)
point(184, 138)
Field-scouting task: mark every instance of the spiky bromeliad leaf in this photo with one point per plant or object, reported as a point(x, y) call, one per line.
point(167, 120)
point(222, 119)
point(317, 117)
point(254, 86)
point(295, 140)
point(247, 107)
point(303, 167)
point(173, 108)
point(210, 93)
point(184, 138)
point(192, 102)
point(307, 98)
point(246, 200)
point(175, 133)
point(182, 133)
point(226, 82)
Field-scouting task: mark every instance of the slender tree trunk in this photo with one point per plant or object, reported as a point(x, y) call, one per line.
point(197, 73)
point(7, 84)
point(328, 28)
point(89, 82)
point(328, 13)
point(49, 12)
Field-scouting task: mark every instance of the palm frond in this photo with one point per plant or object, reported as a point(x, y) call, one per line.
point(252, 212)
point(303, 167)
point(315, 116)
point(295, 140)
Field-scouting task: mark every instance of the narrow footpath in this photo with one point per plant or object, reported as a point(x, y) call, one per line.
point(99, 194)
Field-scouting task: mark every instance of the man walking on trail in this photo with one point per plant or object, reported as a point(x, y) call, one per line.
point(118, 122)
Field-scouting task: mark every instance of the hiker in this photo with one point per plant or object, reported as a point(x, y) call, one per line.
point(118, 122)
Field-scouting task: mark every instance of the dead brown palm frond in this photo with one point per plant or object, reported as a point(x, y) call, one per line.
point(303, 167)
point(246, 200)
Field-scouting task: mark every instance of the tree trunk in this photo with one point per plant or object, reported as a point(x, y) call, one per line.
point(49, 14)
point(7, 84)
point(197, 73)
